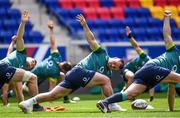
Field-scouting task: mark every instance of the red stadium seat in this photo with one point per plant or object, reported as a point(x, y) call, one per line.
point(133, 3)
point(90, 13)
point(103, 13)
point(80, 3)
point(93, 3)
point(161, 3)
point(119, 3)
point(117, 12)
point(174, 2)
point(66, 4)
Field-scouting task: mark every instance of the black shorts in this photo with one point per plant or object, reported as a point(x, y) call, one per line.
point(150, 75)
point(76, 78)
point(6, 73)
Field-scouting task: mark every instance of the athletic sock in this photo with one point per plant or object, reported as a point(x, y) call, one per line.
point(118, 97)
point(31, 101)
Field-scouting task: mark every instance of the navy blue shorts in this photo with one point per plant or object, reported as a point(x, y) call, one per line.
point(77, 77)
point(6, 73)
point(150, 75)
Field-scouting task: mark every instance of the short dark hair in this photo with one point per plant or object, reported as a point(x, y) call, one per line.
point(66, 66)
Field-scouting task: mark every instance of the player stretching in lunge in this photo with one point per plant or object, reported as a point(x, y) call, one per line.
point(134, 65)
point(93, 70)
point(165, 68)
point(11, 65)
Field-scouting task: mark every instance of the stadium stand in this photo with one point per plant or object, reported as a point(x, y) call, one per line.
point(109, 17)
point(9, 22)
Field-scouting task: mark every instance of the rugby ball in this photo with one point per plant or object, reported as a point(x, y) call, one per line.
point(139, 104)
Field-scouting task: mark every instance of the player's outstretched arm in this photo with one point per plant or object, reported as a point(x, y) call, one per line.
point(167, 30)
point(133, 41)
point(52, 38)
point(89, 35)
point(11, 46)
point(20, 32)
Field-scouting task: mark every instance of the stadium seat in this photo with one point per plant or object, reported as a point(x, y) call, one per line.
point(102, 36)
point(91, 24)
point(5, 4)
point(174, 2)
point(80, 4)
point(129, 22)
point(141, 22)
point(63, 15)
point(101, 24)
point(120, 3)
point(75, 12)
point(117, 12)
point(130, 12)
point(154, 34)
point(115, 23)
point(153, 22)
point(51, 3)
point(122, 35)
point(11, 24)
point(133, 3)
point(90, 13)
point(36, 36)
point(173, 9)
point(178, 8)
point(74, 24)
point(143, 12)
point(161, 3)
point(93, 3)
point(112, 34)
point(103, 13)
point(5, 36)
point(3, 13)
point(157, 12)
point(66, 4)
point(28, 26)
point(14, 14)
point(106, 3)
point(147, 3)
point(176, 33)
point(140, 34)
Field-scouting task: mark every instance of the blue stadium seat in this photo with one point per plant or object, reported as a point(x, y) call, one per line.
point(114, 23)
point(153, 22)
point(91, 24)
point(3, 13)
point(122, 35)
point(130, 12)
point(51, 3)
point(106, 3)
point(112, 34)
point(75, 12)
point(5, 36)
point(141, 22)
point(140, 34)
point(5, 4)
point(11, 24)
point(143, 12)
point(154, 34)
point(129, 22)
point(176, 34)
point(63, 15)
point(36, 36)
point(14, 14)
point(28, 26)
point(101, 24)
point(102, 36)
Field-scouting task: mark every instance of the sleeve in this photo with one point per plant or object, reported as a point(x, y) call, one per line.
point(22, 51)
point(170, 46)
point(52, 79)
point(56, 56)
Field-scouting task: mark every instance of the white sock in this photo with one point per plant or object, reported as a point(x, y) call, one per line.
point(31, 101)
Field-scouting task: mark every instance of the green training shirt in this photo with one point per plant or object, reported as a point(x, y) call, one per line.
point(96, 61)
